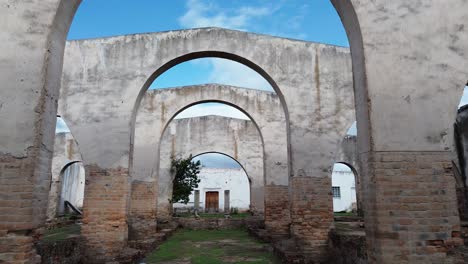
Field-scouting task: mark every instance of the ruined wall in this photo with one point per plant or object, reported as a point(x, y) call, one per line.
point(237, 138)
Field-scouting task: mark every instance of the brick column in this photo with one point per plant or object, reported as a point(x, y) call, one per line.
point(277, 213)
point(20, 213)
point(311, 214)
point(142, 217)
point(410, 207)
point(105, 213)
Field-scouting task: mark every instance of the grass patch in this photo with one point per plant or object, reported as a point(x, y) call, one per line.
point(61, 233)
point(212, 247)
point(206, 215)
point(344, 214)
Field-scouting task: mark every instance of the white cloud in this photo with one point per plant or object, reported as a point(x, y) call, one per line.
point(203, 14)
point(233, 73)
point(212, 109)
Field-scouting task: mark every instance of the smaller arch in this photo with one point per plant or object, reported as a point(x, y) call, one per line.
point(232, 190)
point(210, 101)
point(206, 54)
point(188, 142)
point(66, 153)
point(340, 204)
point(76, 195)
point(221, 153)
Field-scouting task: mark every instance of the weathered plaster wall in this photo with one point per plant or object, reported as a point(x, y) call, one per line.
point(239, 139)
point(32, 41)
point(65, 152)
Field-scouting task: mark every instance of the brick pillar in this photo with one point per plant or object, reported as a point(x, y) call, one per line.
point(227, 205)
point(311, 214)
point(410, 207)
point(277, 214)
point(142, 217)
point(20, 212)
point(105, 213)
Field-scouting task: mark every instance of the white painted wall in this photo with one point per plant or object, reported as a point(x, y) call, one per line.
point(220, 179)
point(73, 183)
point(343, 177)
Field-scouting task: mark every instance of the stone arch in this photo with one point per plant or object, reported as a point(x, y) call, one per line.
point(252, 207)
point(61, 205)
point(357, 185)
point(235, 138)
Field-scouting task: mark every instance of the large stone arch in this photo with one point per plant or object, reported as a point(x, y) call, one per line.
point(265, 110)
point(236, 138)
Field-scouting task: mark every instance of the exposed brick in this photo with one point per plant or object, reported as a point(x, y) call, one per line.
point(105, 213)
point(410, 206)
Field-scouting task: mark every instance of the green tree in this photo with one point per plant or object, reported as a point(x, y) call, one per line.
point(186, 179)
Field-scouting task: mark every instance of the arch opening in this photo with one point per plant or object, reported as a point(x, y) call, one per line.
point(344, 189)
point(72, 188)
point(198, 55)
point(224, 185)
point(238, 139)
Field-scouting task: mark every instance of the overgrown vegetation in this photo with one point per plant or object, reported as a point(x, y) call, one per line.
point(186, 179)
point(61, 233)
point(212, 246)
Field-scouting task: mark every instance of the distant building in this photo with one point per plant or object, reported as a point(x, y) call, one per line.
point(214, 181)
point(343, 189)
